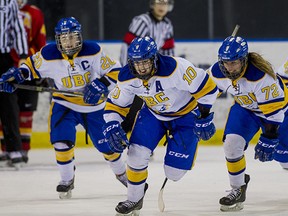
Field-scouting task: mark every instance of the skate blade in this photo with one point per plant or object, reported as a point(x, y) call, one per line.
point(235, 207)
point(3, 164)
point(65, 195)
point(133, 213)
point(9, 166)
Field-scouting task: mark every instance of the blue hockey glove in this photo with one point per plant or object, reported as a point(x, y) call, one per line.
point(11, 75)
point(117, 139)
point(204, 128)
point(93, 92)
point(281, 153)
point(265, 148)
point(7, 87)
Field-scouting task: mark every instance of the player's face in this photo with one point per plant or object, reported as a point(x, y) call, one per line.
point(233, 66)
point(160, 9)
point(143, 67)
point(69, 41)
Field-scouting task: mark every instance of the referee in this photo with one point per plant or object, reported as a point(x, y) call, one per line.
point(12, 35)
point(157, 25)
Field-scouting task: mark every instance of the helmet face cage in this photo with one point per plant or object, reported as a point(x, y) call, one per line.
point(68, 36)
point(233, 48)
point(142, 49)
point(169, 2)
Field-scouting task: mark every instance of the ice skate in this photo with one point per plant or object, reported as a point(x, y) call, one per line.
point(12, 160)
point(130, 208)
point(122, 178)
point(65, 189)
point(4, 157)
point(25, 156)
point(235, 199)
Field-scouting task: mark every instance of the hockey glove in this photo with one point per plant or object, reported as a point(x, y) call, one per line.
point(93, 92)
point(204, 128)
point(281, 153)
point(11, 75)
point(265, 148)
point(7, 87)
point(117, 139)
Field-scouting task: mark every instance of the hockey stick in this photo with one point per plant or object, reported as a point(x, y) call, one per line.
point(161, 205)
point(46, 89)
point(235, 30)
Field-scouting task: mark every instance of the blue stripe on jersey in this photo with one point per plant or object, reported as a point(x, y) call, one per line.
point(281, 82)
point(272, 101)
point(273, 113)
point(50, 52)
point(89, 48)
point(253, 73)
point(200, 88)
point(125, 74)
point(216, 72)
point(166, 65)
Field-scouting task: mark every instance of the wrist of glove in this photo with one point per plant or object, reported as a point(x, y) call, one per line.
point(281, 153)
point(7, 87)
point(265, 148)
point(116, 137)
point(204, 128)
point(13, 74)
point(94, 91)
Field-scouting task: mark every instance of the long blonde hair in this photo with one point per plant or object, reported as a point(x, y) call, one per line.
point(258, 61)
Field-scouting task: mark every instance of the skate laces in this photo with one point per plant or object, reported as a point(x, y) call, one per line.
point(66, 183)
point(128, 203)
point(234, 193)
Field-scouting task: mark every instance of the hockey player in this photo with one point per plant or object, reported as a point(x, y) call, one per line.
point(33, 20)
point(157, 25)
point(178, 97)
point(77, 66)
point(281, 153)
point(260, 102)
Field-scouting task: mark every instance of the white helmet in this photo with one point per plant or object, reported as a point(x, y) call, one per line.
point(169, 2)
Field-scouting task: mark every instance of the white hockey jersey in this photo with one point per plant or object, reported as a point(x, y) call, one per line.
point(72, 75)
point(283, 72)
point(256, 91)
point(175, 90)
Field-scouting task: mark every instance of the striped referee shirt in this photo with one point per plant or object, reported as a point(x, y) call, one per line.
point(147, 25)
point(12, 31)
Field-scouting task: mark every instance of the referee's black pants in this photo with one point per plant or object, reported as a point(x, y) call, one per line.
point(9, 111)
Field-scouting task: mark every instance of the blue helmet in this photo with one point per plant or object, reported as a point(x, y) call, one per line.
point(68, 36)
point(143, 49)
point(233, 48)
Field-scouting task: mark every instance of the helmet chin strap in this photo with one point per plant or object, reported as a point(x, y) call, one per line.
point(234, 82)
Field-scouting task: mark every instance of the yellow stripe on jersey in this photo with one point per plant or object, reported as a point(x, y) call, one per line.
point(64, 156)
point(112, 157)
point(188, 108)
point(208, 87)
point(113, 75)
point(237, 166)
point(74, 99)
point(136, 176)
point(29, 64)
point(271, 107)
point(120, 110)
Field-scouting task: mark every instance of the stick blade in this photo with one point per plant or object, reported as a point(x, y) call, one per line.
point(161, 205)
